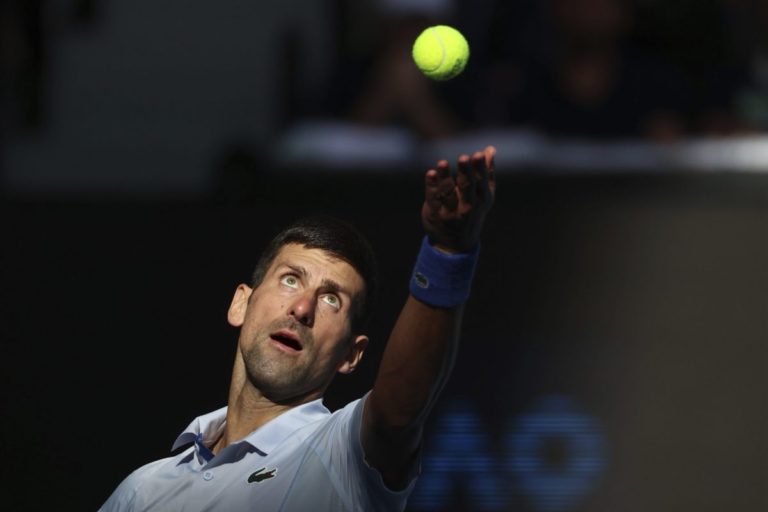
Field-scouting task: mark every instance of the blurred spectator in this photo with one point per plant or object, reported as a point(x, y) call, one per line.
point(396, 91)
point(583, 79)
point(567, 68)
point(701, 38)
point(750, 20)
point(385, 87)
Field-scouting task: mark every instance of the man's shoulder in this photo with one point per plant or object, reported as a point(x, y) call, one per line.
point(322, 429)
point(341, 418)
point(124, 496)
point(151, 468)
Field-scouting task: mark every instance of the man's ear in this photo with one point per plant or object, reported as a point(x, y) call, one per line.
point(239, 305)
point(354, 354)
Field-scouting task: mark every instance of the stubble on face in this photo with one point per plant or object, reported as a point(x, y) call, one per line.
point(282, 376)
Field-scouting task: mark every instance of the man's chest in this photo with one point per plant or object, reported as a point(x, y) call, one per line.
point(295, 479)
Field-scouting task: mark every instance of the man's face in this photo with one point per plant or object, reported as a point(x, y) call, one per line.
point(296, 325)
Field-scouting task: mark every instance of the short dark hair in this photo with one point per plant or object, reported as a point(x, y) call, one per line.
point(338, 238)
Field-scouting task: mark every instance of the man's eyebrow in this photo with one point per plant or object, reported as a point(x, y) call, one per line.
point(298, 269)
point(333, 286)
point(327, 284)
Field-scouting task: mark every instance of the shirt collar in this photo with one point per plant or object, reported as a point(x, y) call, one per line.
point(266, 437)
point(210, 425)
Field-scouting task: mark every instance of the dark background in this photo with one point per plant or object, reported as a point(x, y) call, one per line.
point(140, 180)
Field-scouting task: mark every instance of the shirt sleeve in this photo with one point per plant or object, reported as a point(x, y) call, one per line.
point(364, 483)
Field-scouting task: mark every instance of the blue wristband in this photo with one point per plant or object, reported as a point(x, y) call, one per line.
point(443, 280)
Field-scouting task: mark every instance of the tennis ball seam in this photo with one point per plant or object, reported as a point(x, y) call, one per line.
point(440, 41)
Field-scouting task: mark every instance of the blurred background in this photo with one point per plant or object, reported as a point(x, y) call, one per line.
point(615, 351)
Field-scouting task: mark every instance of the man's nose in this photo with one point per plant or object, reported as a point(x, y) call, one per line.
point(303, 309)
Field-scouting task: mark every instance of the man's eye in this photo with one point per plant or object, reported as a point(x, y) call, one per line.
point(291, 281)
point(332, 300)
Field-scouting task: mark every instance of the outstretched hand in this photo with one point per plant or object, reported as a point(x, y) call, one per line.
point(455, 206)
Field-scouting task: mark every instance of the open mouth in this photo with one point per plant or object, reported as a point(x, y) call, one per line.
point(287, 339)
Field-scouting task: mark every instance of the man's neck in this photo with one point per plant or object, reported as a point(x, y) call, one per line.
point(248, 409)
point(246, 412)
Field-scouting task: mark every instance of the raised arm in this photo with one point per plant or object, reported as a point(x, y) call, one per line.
point(422, 346)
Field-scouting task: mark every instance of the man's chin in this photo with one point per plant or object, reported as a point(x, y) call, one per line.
point(274, 386)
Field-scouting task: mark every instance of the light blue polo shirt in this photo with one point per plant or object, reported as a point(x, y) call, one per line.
point(304, 459)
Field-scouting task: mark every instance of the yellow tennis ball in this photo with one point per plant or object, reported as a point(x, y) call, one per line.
point(441, 52)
